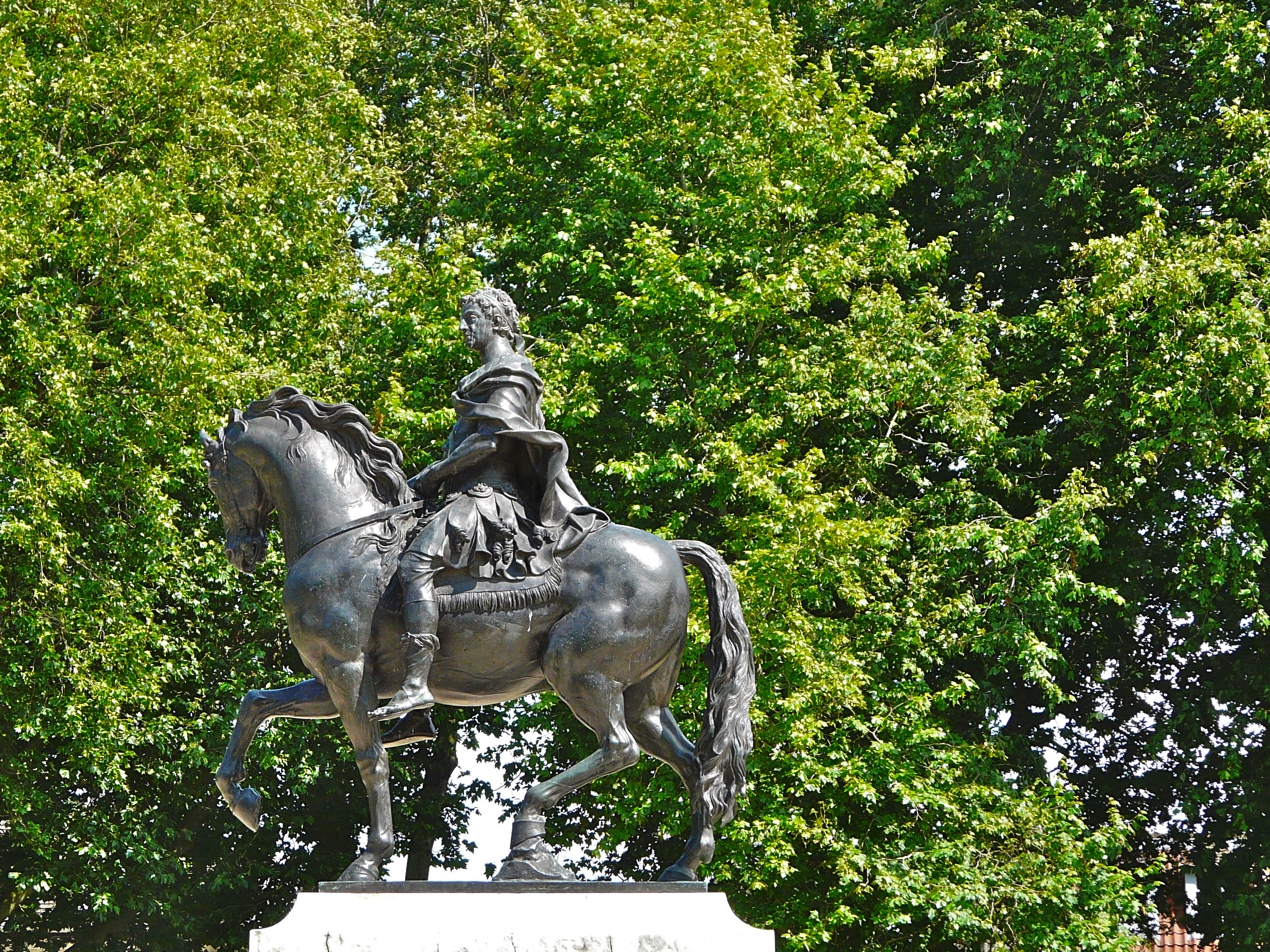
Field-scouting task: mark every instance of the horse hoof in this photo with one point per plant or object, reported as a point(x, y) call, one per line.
point(540, 870)
point(533, 861)
point(246, 806)
point(360, 872)
point(677, 874)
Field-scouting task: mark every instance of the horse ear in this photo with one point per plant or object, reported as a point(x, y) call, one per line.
point(205, 439)
point(235, 416)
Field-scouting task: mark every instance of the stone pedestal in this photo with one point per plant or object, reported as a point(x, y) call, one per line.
point(511, 917)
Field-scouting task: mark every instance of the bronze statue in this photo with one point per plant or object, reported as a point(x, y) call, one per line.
point(513, 585)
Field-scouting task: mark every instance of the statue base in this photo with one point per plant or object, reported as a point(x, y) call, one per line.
point(511, 917)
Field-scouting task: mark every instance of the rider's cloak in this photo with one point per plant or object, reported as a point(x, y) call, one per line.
point(537, 456)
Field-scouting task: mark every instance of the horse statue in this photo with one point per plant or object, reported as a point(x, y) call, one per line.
point(606, 632)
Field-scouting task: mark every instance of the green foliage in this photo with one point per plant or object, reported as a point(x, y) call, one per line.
point(172, 244)
point(743, 346)
point(946, 326)
point(1161, 381)
point(1099, 170)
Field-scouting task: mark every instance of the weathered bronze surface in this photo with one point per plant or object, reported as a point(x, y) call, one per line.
point(525, 588)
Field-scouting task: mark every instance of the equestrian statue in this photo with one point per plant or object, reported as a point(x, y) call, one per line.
point(484, 578)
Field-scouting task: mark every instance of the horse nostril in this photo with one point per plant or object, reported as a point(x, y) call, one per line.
point(229, 554)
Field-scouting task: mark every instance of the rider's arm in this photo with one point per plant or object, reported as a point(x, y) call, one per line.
point(476, 448)
point(471, 452)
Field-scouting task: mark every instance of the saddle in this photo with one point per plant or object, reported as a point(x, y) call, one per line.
point(459, 592)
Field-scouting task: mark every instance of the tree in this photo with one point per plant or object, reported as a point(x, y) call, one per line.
point(743, 345)
point(946, 326)
point(1100, 170)
point(180, 183)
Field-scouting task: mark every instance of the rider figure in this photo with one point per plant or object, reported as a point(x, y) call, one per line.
point(511, 510)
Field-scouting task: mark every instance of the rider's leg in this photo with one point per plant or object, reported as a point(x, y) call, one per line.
point(420, 614)
point(421, 617)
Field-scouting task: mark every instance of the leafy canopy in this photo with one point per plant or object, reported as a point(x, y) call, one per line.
point(945, 326)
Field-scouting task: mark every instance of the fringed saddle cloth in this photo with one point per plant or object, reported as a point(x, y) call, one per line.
point(458, 593)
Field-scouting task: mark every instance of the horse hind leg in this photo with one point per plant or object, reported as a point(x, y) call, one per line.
point(307, 700)
point(597, 701)
point(654, 727)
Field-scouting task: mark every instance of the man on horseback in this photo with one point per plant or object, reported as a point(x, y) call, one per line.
point(513, 533)
point(511, 509)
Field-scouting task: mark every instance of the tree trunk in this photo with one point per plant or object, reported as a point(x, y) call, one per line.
point(439, 767)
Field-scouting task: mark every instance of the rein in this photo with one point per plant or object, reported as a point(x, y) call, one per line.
point(365, 521)
point(233, 490)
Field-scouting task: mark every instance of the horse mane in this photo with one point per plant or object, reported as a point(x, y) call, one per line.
point(376, 460)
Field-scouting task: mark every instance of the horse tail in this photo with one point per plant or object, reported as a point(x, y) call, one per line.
point(726, 736)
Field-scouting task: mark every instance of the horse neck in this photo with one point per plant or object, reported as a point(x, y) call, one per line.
point(314, 490)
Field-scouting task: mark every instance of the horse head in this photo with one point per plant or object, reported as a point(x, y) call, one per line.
point(244, 502)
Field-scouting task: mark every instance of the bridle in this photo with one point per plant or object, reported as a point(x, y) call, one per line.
point(366, 521)
point(233, 493)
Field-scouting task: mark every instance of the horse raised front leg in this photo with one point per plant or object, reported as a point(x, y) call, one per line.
point(354, 693)
point(307, 700)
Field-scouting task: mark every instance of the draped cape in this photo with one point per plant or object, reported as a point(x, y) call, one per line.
point(537, 455)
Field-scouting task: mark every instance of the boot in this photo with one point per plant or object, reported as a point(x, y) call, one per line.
point(415, 726)
point(421, 644)
point(413, 693)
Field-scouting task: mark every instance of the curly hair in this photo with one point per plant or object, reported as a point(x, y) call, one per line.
point(501, 310)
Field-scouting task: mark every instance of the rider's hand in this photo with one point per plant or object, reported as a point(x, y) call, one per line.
point(423, 484)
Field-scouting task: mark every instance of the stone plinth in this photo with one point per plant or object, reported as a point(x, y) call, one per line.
point(511, 917)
